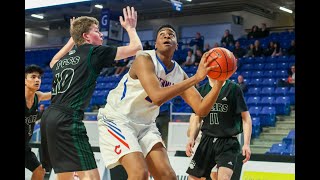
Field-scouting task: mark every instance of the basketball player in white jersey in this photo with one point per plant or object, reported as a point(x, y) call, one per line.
point(127, 130)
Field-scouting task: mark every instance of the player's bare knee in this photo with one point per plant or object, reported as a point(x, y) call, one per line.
point(139, 174)
point(167, 175)
point(225, 177)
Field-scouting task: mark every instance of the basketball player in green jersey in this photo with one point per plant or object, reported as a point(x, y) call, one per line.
point(219, 144)
point(63, 134)
point(33, 75)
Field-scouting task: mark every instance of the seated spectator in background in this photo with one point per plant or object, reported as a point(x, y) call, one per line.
point(242, 84)
point(250, 51)
point(292, 49)
point(216, 45)
point(190, 59)
point(227, 38)
point(197, 42)
point(277, 50)
point(257, 50)
point(264, 31)
point(206, 47)
point(121, 66)
point(238, 51)
point(198, 56)
point(224, 45)
point(147, 46)
point(40, 110)
point(269, 50)
point(291, 80)
point(254, 33)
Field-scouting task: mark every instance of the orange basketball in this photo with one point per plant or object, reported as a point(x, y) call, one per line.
point(227, 64)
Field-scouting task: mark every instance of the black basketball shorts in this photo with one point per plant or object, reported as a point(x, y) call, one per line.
point(64, 138)
point(212, 151)
point(31, 161)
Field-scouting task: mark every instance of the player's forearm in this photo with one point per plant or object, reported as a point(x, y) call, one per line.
point(134, 45)
point(247, 130)
point(194, 129)
point(208, 101)
point(164, 94)
point(63, 51)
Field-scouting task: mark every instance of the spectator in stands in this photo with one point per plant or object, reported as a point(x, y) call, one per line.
point(198, 56)
point(40, 110)
point(216, 45)
point(250, 51)
point(219, 144)
point(63, 134)
point(264, 31)
point(277, 49)
point(269, 50)
point(257, 50)
point(206, 47)
point(290, 81)
point(238, 51)
point(132, 108)
point(254, 33)
point(292, 76)
point(292, 49)
point(242, 84)
point(33, 75)
point(147, 46)
point(121, 66)
point(197, 42)
point(227, 38)
point(190, 59)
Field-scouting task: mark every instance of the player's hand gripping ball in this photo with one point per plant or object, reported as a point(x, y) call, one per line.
point(226, 61)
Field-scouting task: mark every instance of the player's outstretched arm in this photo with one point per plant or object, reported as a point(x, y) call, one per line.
point(247, 130)
point(43, 96)
point(192, 133)
point(64, 50)
point(143, 69)
point(129, 23)
point(202, 106)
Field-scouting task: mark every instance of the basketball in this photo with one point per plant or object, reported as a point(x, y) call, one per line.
point(227, 64)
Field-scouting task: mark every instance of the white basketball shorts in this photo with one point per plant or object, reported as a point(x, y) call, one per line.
point(118, 138)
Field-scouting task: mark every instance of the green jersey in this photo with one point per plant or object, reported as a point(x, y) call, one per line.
point(224, 119)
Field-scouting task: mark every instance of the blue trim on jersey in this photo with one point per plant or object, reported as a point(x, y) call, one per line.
point(164, 67)
point(125, 89)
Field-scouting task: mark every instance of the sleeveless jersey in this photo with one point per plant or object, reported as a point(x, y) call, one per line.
point(30, 118)
point(129, 100)
point(75, 74)
point(224, 119)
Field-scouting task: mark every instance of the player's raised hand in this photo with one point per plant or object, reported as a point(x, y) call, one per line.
point(204, 67)
point(129, 19)
point(189, 147)
point(71, 20)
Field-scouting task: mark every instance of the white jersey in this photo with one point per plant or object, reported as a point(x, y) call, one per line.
point(129, 100)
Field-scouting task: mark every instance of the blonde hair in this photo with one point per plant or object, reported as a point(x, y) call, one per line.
point(81, 25)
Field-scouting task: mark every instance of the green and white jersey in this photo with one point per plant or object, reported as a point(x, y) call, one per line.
point(224, 119)
point(75, 75)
